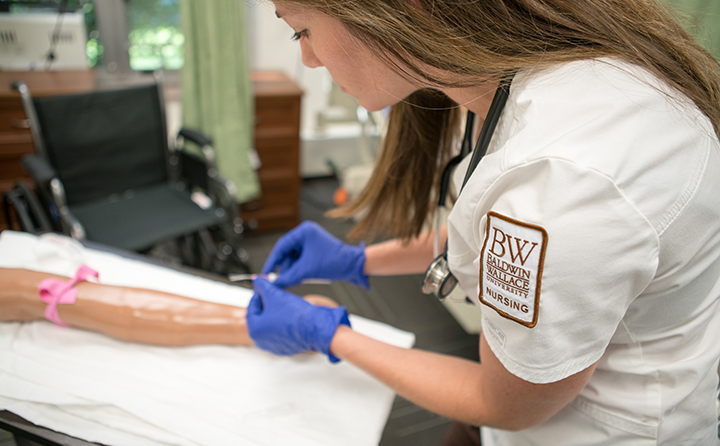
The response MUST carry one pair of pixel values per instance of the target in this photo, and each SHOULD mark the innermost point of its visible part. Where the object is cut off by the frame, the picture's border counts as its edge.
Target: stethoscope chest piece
(438, 279)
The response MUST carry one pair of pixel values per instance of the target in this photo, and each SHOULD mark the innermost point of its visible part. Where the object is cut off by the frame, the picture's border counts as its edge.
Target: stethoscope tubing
(438, 275)
(488, 129)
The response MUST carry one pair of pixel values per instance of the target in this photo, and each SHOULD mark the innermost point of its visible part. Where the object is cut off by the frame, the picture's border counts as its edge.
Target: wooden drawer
(10, 169)
(277, 142)
(278, 153)
(12, 119)
(278, 188)
(276, 113)
(279, 202)
(279, 185)
(15, 140)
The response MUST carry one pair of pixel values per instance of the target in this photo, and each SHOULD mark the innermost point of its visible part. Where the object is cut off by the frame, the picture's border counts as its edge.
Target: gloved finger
(282, 249)
(271, 263)
(274, 297)
(285, 281)
(262, 286)
(291, 271)
(291, 276)
(255, 306)
(271, 294)
(288, 262)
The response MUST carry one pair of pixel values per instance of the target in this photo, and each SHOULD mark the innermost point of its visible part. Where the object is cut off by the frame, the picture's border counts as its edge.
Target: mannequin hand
(310, 252)
(285, 324)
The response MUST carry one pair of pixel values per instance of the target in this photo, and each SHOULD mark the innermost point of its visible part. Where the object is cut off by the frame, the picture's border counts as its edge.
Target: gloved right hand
(285, 324)
(310, 252)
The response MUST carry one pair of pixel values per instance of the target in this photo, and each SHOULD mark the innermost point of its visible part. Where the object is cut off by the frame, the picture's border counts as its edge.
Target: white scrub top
(591, 232)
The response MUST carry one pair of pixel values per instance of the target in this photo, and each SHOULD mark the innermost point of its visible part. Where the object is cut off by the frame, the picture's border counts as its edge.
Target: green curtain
(702, 19)
(217, 94)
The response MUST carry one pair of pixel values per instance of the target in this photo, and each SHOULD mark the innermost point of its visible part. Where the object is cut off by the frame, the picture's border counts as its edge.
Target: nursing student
(588, 234)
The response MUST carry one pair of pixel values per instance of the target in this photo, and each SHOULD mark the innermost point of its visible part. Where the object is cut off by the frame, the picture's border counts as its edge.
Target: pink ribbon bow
(55, 292)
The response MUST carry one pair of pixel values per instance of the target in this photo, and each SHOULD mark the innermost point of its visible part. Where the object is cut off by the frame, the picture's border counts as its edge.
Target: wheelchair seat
(139, 218)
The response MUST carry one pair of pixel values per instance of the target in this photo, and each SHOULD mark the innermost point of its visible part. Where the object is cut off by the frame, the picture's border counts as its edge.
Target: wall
(272, 49)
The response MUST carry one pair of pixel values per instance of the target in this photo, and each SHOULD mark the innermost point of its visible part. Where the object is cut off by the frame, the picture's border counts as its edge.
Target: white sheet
(120, 393)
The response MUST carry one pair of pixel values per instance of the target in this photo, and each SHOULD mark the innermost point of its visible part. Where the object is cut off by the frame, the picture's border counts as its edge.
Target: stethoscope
(438, 279)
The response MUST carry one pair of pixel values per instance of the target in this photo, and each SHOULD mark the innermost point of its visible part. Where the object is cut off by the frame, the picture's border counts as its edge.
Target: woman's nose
(309, 58)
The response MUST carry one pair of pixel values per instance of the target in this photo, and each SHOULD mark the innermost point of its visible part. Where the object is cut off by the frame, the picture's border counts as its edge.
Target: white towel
(120, 393)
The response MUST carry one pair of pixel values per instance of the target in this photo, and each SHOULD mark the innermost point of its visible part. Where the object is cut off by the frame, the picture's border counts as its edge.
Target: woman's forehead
(283, 9)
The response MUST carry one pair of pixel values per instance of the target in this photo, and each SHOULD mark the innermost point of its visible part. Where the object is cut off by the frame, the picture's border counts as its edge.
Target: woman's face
(354, 68)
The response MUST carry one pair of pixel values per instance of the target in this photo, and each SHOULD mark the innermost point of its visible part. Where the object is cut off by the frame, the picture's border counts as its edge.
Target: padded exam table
(90, 388)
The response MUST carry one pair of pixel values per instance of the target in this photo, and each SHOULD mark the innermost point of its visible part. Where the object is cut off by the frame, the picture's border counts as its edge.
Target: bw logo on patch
(511, 266)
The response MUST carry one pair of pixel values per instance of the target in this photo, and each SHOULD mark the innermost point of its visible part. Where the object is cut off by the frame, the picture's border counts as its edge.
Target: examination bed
(98, 389)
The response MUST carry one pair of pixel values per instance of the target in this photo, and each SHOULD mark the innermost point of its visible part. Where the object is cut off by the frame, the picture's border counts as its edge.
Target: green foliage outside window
(94, 49)
(155, 37)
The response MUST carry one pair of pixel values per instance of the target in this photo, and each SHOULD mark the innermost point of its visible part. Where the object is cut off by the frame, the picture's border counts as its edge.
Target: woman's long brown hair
(426, 121)
(474, 41)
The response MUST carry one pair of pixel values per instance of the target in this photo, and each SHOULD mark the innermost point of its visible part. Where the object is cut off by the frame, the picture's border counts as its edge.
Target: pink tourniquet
(54, 292)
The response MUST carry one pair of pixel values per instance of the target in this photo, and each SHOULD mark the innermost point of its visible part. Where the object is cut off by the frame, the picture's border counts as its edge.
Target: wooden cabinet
(277, 142)
(15, 138)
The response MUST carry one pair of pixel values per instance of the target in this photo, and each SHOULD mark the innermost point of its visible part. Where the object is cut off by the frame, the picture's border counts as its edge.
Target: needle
(271, 277)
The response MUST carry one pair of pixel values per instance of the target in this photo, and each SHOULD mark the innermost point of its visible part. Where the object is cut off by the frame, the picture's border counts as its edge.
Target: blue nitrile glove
(310, 252)
(285, 324)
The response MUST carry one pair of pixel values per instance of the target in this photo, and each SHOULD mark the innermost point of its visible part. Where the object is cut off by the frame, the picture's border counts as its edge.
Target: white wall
(271, 49)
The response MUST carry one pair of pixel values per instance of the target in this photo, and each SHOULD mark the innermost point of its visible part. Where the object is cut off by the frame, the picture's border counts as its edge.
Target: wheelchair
(105, 171)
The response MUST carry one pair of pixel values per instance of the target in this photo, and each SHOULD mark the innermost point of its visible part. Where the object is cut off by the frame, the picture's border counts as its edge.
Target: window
(156, 40)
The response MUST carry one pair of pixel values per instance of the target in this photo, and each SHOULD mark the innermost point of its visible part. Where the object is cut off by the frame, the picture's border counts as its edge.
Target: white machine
(27, 40)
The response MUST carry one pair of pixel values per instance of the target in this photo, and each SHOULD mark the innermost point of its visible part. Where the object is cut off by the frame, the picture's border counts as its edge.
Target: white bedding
(120, 393)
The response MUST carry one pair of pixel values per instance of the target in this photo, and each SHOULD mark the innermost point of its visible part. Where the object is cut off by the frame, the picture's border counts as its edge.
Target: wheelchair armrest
(40, 171)
(45, 177)
(71, 225)
(29, 212)
(223, 191)
(195, 136)
(205, 144)
(194, 170)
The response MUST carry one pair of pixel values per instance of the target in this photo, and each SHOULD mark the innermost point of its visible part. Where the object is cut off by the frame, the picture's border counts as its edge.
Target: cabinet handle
(20, 123)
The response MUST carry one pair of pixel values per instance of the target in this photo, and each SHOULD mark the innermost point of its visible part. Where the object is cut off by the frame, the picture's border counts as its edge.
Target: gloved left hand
(310, 252)
(285, 324)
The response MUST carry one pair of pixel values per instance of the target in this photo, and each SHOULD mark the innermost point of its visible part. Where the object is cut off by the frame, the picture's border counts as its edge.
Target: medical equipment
(271, 277)
(438, 279)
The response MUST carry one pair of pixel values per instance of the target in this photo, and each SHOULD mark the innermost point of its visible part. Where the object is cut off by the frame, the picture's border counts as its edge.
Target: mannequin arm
(395, 257)
(130, 314)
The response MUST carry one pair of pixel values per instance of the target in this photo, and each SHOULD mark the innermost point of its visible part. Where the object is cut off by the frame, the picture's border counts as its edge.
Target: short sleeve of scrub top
(559, 267)
(546, 241)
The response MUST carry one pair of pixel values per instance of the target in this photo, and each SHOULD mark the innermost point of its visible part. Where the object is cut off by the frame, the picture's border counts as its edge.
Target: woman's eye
(300, 34)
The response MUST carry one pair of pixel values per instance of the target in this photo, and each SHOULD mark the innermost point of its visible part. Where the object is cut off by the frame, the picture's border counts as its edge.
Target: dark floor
(396, 300)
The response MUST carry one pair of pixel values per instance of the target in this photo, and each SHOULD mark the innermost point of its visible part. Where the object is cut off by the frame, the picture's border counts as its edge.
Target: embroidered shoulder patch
(511, 267)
